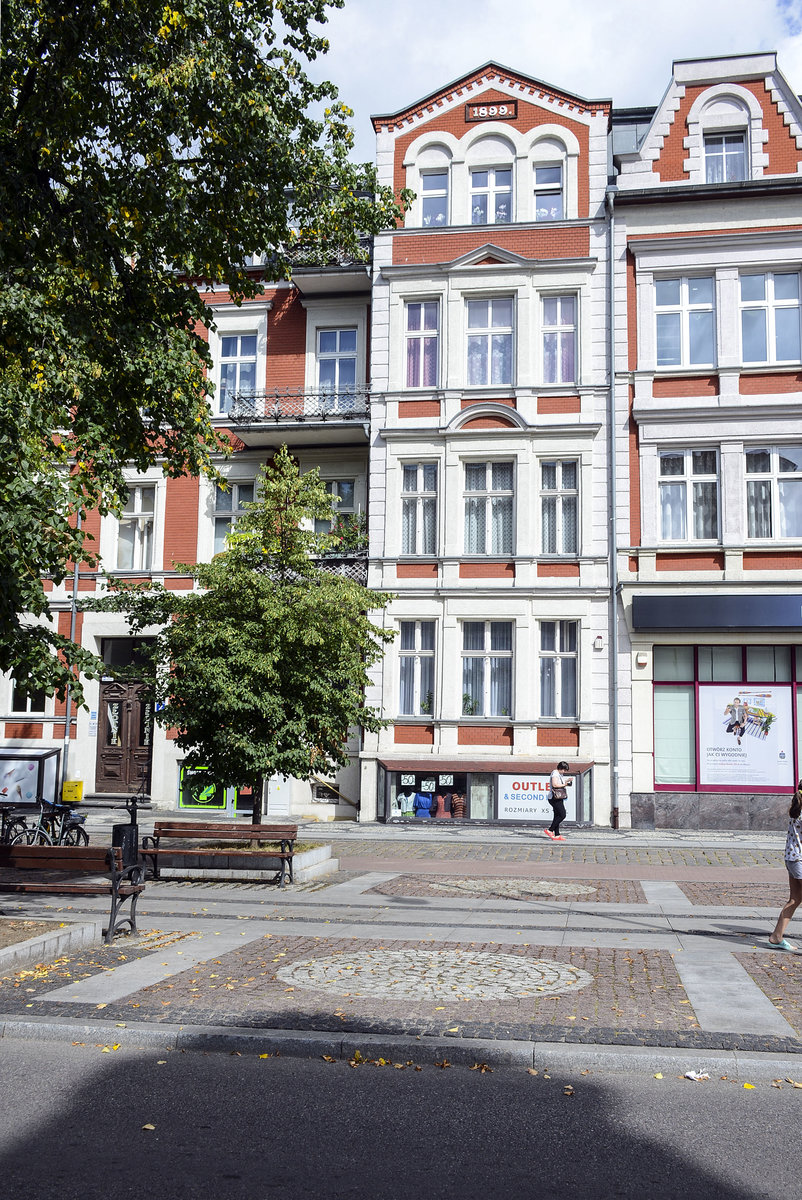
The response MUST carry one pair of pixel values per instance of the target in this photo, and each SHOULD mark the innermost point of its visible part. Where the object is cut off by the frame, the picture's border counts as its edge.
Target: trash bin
(126, 836)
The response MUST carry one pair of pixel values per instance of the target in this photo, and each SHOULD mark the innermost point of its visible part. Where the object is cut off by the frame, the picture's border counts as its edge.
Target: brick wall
(444, 245)
(487, 570)
(485, 735)
(181, 521)
(414, 735)
(558, 735)
(559, 404)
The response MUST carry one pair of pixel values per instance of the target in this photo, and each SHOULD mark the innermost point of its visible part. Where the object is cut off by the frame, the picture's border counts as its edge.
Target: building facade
(566, 395)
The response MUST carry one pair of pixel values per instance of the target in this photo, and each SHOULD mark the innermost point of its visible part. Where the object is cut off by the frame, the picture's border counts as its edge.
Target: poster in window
(745, 736)
(526, 798)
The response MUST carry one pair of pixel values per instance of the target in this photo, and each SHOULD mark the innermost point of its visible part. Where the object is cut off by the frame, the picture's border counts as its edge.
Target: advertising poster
(526, 798)
(745, 736)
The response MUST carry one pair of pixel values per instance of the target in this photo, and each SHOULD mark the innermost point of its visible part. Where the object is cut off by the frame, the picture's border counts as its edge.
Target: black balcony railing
(345, 404)
(352, 566)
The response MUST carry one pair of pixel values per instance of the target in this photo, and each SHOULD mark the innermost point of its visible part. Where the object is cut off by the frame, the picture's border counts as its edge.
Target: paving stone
(604, 891)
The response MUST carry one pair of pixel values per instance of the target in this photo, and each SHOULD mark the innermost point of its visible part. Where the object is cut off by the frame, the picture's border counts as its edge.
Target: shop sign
(526, 798)
(745, 736)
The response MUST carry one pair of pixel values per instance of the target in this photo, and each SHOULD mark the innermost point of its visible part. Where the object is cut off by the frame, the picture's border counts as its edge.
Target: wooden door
(125, 738)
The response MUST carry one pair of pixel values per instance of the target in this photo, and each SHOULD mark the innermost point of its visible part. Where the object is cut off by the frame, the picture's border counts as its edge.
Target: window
(558, 507)
(725, 157)
(558, 656)
(27, 700)
(490, 332)
(685, 324)
(228, 507)
(342, 495)
(135, 533)
(488, 508)
(434, 210)
(336, 361)
(423, 322)
(549, 198)
(487, 668)
(688, 486)
(774, 493)
(419, 509)
(491, 196)
(559, 339)
(417, 669)
(770, 328)
(237, 367)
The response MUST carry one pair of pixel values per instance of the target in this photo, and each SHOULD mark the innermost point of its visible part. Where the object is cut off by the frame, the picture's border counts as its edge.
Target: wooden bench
(167, 833)
(102, 868)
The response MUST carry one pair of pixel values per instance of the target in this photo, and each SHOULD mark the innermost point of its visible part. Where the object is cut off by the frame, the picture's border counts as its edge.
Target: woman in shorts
(793, 864)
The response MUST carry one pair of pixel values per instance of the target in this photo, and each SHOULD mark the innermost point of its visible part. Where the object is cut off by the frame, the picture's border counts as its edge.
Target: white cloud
(385, 54)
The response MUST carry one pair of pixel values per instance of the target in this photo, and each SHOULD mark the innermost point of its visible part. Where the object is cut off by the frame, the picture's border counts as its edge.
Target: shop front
(478, 791)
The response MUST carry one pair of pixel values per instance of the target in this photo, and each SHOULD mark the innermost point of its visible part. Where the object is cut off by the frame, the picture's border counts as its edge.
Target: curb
(424, 1050)
(67, 938)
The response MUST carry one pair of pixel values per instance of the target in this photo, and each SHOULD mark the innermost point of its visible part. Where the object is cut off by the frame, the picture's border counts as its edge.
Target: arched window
(490, 180)
(726, 138)
(549, 164)
(434, 166)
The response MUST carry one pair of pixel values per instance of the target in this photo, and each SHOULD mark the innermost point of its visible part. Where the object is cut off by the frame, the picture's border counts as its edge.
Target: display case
(28, 774)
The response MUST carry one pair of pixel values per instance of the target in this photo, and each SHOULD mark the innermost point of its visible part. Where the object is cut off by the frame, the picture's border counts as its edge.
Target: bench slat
(81, 859)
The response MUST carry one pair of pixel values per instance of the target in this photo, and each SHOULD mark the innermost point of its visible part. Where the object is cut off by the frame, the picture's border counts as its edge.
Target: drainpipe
(68, 706)
(609, 198)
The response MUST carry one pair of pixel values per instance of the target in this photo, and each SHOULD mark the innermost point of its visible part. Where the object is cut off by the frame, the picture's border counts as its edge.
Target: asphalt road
(228, 1127)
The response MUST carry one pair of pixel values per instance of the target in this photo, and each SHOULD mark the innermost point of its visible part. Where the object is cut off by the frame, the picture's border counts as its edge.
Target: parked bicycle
(57, 825)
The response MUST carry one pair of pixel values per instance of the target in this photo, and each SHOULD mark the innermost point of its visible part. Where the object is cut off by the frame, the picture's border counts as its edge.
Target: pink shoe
(549, 834)
(558, 838)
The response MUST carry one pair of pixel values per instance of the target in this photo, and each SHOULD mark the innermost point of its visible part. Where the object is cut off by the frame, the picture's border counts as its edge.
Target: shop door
(125, 739)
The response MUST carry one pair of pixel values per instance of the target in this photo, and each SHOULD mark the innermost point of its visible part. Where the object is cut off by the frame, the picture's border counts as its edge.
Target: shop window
(237, 368)
(558, 668)
(135, 530)
(489, 508)
(559, 511)
(688, 487)
(770, 318)
(774, 492)
(674, 736)
(491, 196)
(549, 193)
(434, 205)
(416, 696)
(490, 341)
(27, 700)
(768, 664)
(229, 506)
(342, 493)
(559, 339)
(482, 795)
(428, 795)
(725, 157)
(487, 668)
(673, 663)
(720, 663)
(685, 321)
(419, 509)
(422, 337)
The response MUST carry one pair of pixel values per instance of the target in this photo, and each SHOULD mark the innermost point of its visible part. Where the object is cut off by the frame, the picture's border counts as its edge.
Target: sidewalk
(451, 946)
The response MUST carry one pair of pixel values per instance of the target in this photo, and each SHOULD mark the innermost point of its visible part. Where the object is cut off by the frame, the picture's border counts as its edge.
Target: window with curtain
(343, 502)
(549, 194)
(725, 157)
(688, 487)
(487, 653)
(416, 693)
(774, 492)
(490, 341)
(558, 668)
(419, 508)
(422, 336)
(135, 530)
(229, 505)
(559, 506)
(434, 202)
(491, 196)
(686, 335)
(770, 317)
(489, 508)
(559, 339)
(237, 368)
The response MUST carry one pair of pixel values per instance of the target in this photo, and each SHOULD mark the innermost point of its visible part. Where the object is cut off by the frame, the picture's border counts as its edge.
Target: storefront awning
(495, 766)
(735, 612)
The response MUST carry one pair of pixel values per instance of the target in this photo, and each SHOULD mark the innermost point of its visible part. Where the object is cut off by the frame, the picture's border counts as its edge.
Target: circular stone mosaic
(514, 889)
(434, 975)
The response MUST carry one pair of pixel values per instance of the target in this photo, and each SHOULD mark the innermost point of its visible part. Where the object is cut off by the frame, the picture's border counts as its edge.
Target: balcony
(272, 417)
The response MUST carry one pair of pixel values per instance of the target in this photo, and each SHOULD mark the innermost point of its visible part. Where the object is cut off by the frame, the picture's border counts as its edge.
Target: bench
(102, 869)
(167, 833)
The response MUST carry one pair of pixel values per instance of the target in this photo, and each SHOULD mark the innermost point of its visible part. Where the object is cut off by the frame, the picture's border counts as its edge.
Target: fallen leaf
(658, 1075)
(148, 1126)
(445, 1063)
(750, 1086)
(532, 1071)
(568, 1090)
(161, 1062)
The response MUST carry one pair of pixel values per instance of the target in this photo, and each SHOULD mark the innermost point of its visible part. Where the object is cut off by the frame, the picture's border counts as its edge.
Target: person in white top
(793, 865)
(557, 798)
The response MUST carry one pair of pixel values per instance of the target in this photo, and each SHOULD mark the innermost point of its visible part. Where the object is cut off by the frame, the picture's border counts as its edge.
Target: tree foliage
(263, 668)
(146, 147)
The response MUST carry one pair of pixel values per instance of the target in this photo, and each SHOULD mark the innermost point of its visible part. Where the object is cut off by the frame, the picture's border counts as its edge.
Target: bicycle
(57, 825)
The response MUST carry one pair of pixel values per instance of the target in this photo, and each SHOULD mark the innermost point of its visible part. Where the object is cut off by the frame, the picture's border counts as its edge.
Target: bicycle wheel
(75, 836)
(38, 837)
(17, 833)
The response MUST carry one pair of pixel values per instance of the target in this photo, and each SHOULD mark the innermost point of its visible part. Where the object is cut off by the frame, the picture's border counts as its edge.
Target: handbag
(559, 793)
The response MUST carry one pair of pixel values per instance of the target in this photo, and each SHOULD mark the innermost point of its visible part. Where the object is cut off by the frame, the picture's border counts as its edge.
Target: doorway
(125, 738)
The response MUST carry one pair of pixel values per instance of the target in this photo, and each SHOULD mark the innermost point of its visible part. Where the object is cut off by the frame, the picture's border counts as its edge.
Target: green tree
(146, 147)
(263, 668)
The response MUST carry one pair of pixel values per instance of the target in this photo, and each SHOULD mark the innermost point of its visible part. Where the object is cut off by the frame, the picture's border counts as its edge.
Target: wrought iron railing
(345, 404)
(352, 566)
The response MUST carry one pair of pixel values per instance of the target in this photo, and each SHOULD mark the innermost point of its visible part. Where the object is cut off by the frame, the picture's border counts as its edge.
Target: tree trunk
(257, 792)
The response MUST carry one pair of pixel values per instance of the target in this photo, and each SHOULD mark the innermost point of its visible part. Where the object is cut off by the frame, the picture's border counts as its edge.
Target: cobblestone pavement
(600, 891)
(746, 895)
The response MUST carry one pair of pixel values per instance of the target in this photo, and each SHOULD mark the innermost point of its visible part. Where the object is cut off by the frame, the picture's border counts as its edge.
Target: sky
(386, 54)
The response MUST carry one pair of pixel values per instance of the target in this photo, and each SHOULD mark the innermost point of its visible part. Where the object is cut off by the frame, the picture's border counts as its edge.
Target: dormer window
(491, 196)
(434, 185)
(549, 200)
(725, 157)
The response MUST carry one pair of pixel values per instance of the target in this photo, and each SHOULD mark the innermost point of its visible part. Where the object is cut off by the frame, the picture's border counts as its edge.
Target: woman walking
(793, 864)
(557, 797)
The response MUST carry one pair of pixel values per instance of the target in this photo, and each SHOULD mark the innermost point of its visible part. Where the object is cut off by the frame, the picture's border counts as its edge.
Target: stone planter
(254, 866)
